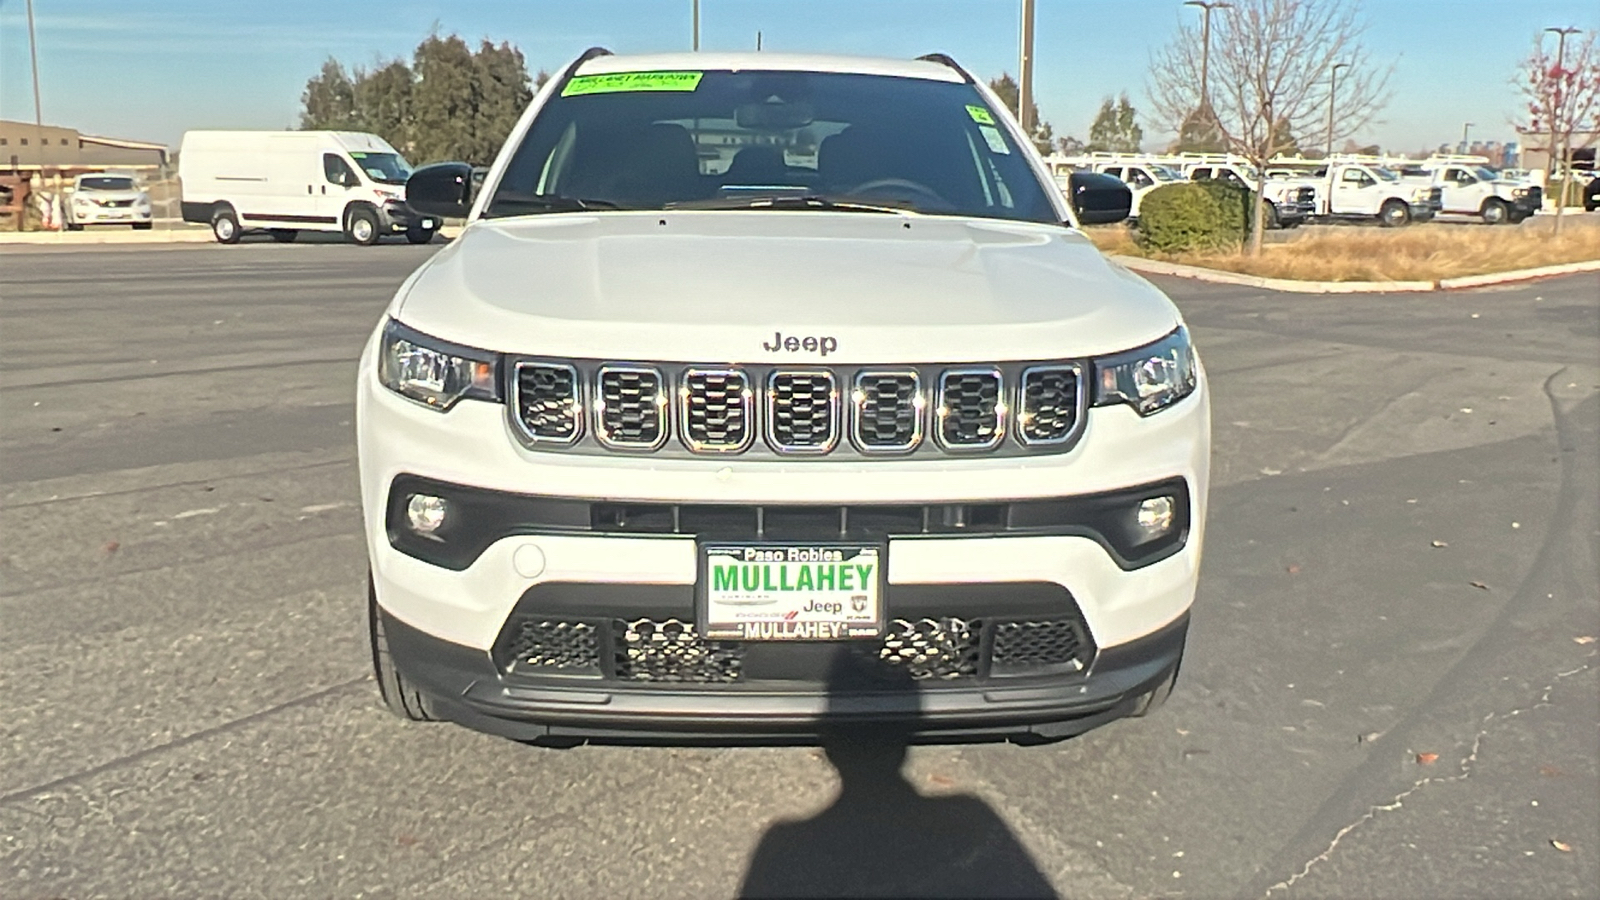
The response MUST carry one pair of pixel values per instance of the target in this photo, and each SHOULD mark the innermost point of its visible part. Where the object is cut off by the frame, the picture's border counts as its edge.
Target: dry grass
(1417, 253)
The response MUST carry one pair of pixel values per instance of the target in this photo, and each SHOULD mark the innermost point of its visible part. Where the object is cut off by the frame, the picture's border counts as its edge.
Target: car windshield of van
(1384, 174)
(1166, 173)
(768, 140)
(105, 183)
(384, 168)
(1485, 173)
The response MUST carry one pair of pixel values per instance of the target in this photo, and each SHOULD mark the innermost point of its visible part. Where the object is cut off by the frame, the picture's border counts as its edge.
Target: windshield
(1166, 173)
(1486, 174)
(771, 140)
(1384, 174)
(385, 168)
(105, 183)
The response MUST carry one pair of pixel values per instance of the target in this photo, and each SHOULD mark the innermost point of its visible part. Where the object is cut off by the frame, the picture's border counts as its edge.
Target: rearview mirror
(442, 189)
(1098, 199)
(774, 115)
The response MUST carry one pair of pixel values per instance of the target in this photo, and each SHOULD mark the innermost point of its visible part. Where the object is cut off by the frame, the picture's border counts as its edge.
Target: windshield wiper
(797, 201)
(517, 204)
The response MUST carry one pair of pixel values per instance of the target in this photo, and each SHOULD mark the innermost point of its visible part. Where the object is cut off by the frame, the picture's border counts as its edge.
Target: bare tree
(1563, 95)
(1270, 76)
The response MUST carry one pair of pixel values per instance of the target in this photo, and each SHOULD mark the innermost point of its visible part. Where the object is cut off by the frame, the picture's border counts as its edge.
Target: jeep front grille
(631, 410)
(683, 410)
(802, 412)
(717, 409)
(887, 411)
(1051, 404)
(547, 403)
(971, 414)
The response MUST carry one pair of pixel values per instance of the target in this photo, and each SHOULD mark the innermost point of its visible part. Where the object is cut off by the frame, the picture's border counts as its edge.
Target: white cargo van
(286, 182)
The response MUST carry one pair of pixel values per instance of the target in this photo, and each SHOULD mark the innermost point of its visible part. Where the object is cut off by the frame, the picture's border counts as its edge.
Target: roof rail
(944, 59)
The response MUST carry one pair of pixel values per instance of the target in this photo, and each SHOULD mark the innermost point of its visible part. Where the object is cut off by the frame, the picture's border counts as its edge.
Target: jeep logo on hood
(823, 344)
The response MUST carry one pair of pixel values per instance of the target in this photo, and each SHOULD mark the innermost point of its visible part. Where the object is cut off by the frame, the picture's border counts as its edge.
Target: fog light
(425, 513)
(1155, 517)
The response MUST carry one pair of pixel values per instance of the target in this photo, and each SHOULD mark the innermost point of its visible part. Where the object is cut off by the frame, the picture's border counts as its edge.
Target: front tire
(225, 226)
(142, 226)
(399, 697)
(1274, 222)
(361, 227)
(1394, 214)
(74, 226)
(419, 235)
(1495, 211)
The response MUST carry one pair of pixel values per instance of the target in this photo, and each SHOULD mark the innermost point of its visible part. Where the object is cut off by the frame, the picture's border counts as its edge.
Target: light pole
(696, 25)
(1333, 87)
(1464, 128)
(1555, 115)
(1025, 72)
(1206, 6)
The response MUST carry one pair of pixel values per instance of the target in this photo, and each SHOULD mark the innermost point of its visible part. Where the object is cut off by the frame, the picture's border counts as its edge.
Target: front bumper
(99, 215)
(395, 216)
(809, 689)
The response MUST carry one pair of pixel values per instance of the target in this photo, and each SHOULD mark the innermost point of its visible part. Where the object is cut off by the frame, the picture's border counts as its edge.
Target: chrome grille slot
(631, 409)
(1050, 408)
(717, 406)
(887, 411)
(547, 404)
(971, 413)
(802, 412)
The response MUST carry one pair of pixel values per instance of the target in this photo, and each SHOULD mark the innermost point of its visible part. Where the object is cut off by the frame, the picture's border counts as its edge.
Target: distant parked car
(1591, 194)
(107, 200)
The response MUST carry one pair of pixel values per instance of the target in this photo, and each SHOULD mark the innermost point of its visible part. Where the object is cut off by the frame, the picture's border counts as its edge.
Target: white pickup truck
(1289, 203)
(1363, 191)
(1475, 190)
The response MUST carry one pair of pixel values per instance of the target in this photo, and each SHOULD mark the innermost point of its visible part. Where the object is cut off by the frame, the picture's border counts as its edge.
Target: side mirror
(1098, 199)
(442, 189)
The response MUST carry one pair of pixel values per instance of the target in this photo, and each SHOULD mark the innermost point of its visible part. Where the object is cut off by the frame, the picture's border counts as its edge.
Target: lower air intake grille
(971, 414)
(543, 646)
(933, 648)
(633, 411)
(1029, 646)
(717, 409)
(802, 412)
(1049, 405)
(888, 411)
(671, 650)
(547, 402)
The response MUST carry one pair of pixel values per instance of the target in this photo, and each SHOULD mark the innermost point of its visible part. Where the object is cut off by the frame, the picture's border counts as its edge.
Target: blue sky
(151, 69)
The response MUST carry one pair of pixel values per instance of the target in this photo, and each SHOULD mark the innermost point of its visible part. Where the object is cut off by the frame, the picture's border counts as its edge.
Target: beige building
(1536, 150)
(27, 147)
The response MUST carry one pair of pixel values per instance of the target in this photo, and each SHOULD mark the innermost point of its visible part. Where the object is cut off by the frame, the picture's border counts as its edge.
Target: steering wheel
(902, 185)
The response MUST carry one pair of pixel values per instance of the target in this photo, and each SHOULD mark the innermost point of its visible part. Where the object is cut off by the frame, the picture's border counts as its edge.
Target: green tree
(1199, 132)
(328, 103)
(1010, 94)
(1116, 127)
(450, 103)
(383, 103)
(1283, 139)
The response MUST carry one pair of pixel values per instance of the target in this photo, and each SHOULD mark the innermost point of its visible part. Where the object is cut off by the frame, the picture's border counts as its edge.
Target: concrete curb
(1217, 276)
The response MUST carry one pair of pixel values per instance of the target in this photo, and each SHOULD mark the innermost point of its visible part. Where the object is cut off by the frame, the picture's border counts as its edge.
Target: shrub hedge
(1198, 215)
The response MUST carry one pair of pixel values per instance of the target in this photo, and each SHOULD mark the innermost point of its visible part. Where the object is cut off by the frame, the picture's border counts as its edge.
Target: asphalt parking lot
(1391, 686)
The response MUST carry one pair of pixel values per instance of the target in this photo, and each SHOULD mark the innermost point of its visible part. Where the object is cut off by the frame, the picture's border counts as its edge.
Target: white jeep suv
(763, 393)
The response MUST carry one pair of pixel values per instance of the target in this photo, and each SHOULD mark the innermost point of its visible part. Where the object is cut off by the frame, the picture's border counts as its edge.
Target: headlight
(1149, 379)
(386, 195)
(141, 201)
(80, 201)
(434, 372)
(1519, 193)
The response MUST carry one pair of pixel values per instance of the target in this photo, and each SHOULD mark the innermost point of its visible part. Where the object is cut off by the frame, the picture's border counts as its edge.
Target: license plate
(791, 592)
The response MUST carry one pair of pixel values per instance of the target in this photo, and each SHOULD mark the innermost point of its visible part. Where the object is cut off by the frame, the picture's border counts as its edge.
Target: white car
(856, 427)
(107, 200)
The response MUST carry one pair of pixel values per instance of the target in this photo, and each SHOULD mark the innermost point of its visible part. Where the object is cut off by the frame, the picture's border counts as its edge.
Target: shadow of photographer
(881, 837)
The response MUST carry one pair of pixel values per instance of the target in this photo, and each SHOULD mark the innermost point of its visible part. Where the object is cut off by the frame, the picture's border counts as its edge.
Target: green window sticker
(997, 143)
(980, 115)
(624, 82)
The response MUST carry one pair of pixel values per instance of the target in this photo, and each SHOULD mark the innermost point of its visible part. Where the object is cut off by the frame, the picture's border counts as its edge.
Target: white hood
(716, 286)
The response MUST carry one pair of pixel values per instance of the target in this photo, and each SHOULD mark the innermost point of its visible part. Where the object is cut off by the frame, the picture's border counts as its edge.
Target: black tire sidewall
(221, 213)
(1393, 214)
(1495, 211)
(357, 214)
